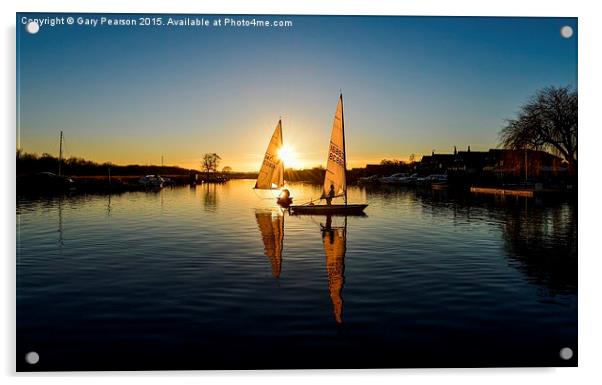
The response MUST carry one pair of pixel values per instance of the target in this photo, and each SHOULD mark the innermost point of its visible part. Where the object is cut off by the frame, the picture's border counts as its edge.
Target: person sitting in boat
(285, 195)
(330, 195)
(285, 198)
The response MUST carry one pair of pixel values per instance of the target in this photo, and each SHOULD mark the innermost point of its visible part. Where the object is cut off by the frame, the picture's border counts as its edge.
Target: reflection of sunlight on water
(433, 264)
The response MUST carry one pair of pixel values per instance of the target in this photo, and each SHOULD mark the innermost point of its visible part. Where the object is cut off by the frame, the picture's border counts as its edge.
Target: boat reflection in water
(334, 240)
(271, 227)
(335, 244)
(481, 281)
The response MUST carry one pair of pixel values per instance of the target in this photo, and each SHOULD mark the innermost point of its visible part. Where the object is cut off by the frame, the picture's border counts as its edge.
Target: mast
(60, 152)
(344, 147)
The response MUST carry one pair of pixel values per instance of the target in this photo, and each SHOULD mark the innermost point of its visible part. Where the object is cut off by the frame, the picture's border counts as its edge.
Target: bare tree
(548, 121)
(391, 162)
(227, 170)
(210, 162)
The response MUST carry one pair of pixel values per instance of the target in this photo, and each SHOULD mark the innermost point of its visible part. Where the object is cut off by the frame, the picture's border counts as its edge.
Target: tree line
(29, 163)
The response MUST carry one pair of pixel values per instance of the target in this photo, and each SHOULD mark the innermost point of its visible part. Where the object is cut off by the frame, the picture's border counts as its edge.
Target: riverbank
(44, 183)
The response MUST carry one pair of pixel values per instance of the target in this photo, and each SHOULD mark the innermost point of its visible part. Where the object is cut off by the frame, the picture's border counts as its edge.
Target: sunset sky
(410, 84)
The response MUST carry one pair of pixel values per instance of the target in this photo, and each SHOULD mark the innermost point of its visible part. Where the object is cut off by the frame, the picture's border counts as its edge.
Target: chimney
(455, 151)
(469, 148)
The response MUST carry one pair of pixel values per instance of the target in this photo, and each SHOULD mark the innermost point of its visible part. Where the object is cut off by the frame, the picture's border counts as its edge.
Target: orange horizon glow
(306, 147)
(292, 158)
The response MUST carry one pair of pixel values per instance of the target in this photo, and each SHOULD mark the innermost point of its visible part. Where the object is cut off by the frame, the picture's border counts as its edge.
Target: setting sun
(288, 155)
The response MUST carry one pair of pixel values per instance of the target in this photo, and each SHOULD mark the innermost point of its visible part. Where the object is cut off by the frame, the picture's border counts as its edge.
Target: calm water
(217, 277)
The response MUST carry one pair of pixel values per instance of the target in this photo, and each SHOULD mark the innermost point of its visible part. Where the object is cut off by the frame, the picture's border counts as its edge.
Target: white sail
(335, 167)
(271, 174)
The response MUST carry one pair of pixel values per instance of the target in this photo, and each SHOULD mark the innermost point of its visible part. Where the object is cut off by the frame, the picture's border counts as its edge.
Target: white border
(590, 64)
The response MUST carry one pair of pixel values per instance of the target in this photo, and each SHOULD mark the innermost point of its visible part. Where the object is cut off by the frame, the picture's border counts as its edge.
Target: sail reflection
(334, 240)
(272, 233)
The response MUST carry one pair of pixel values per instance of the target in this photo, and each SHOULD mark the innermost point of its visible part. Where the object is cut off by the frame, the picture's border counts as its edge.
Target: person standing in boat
(330, 195)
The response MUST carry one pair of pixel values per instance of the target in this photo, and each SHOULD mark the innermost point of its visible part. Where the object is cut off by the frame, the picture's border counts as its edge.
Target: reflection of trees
(542, 243)
(210, 196)
(540, 238)
(389, 194)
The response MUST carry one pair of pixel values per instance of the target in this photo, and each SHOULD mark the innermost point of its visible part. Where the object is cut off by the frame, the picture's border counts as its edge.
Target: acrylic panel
(292, 192)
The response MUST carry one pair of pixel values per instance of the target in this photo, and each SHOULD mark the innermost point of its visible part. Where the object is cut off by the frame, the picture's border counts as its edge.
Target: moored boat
(369, 179)
(152, 181)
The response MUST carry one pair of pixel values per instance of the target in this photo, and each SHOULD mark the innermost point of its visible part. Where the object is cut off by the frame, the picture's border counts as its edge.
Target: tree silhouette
(391, 162)
(548, 121)
(210, 162)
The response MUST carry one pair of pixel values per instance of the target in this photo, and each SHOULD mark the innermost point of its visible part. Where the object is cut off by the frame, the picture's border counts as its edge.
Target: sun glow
(288, 155)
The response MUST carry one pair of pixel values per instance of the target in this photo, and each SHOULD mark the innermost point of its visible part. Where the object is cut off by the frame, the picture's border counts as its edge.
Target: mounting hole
(32, 358)
(566, 31)
(566, 353)
(32, 27)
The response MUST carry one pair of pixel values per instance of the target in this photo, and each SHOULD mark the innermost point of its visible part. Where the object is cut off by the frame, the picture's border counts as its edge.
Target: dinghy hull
(355, 209)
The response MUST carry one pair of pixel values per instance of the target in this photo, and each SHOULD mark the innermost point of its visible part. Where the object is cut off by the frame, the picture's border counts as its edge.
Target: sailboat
(335, 179)
(271, 173)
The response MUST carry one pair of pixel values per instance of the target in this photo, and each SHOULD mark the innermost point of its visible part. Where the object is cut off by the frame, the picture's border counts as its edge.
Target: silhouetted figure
(330, 195)
(284, 199)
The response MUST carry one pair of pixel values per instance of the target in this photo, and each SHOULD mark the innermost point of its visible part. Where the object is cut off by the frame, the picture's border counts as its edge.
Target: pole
(60, 152)
(344, 147)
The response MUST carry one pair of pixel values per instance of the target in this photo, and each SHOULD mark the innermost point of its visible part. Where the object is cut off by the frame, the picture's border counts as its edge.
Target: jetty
(503, 191)
(520, 191)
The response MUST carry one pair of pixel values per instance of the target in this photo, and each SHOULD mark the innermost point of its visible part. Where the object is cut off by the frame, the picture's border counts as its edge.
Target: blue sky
(411, 85)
